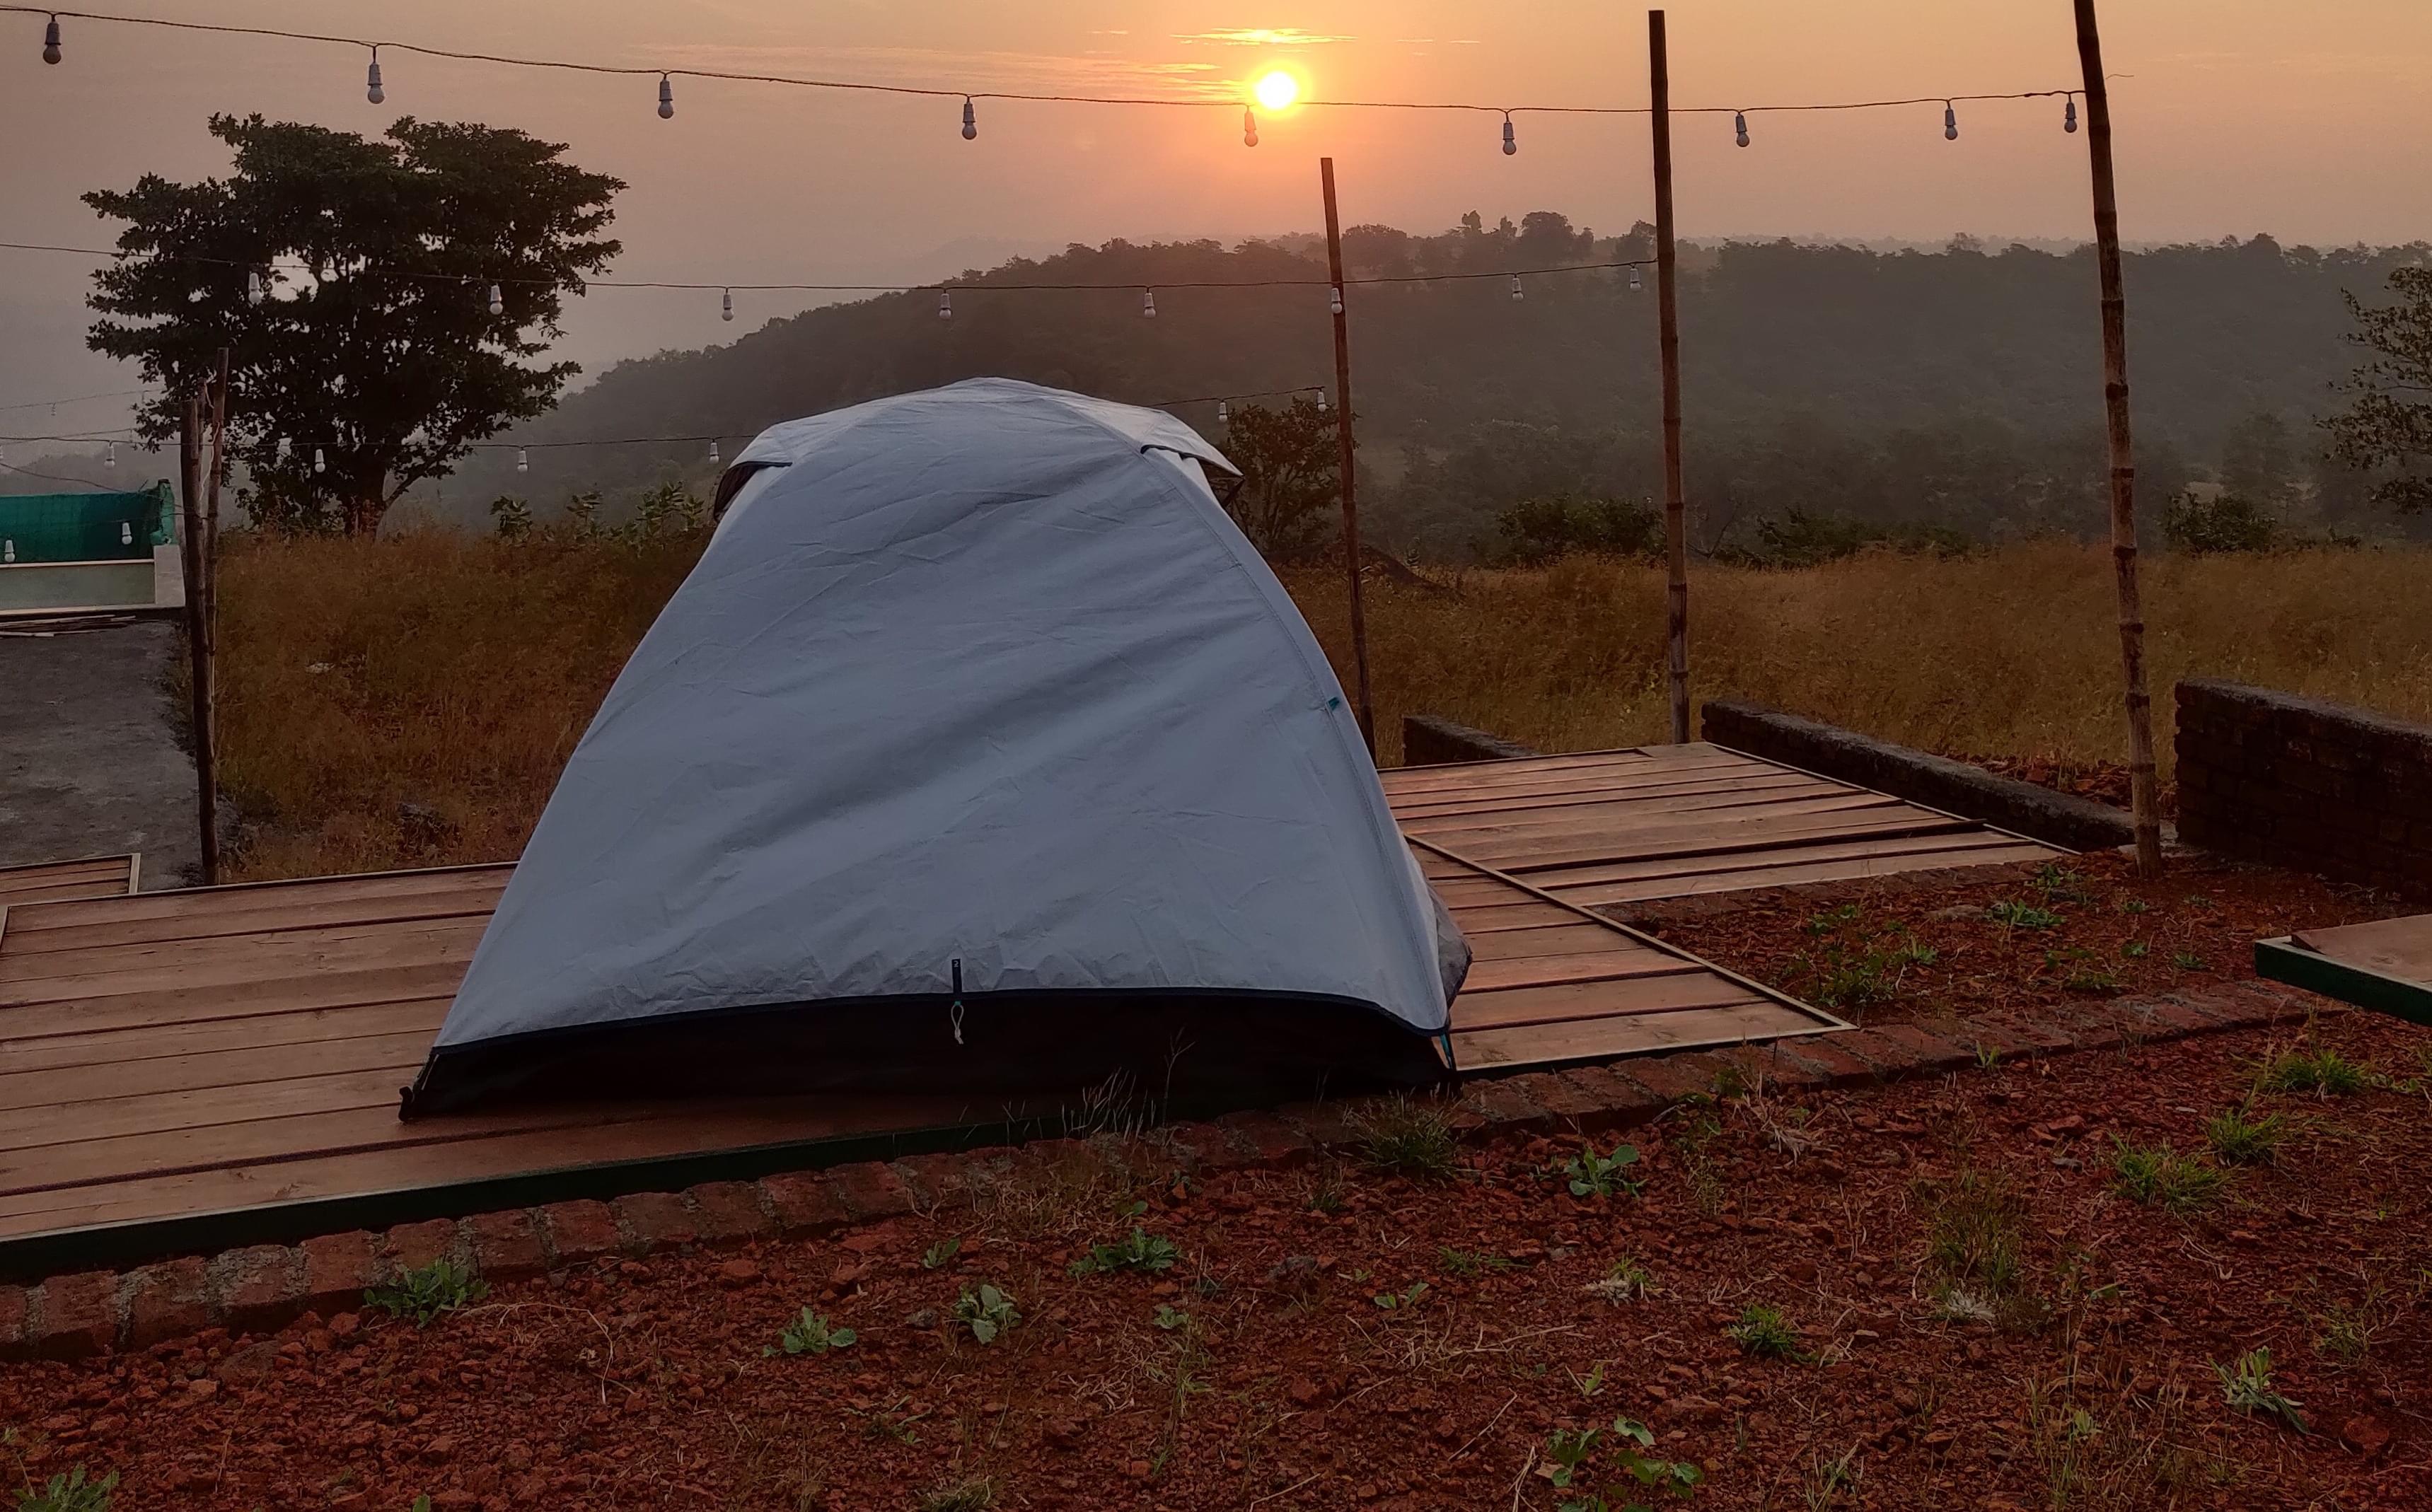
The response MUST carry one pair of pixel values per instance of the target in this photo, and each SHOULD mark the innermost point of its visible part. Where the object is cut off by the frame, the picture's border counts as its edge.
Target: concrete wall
(80, 584)
(2298, 782)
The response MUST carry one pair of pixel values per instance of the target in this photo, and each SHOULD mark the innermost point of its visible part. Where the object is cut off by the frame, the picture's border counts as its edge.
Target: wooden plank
(172, 1120)
(1608, 1038)
(1690, 984)
(1520, 858)
(2394, 947)
(38, 931)
(53, 881)
(1622, 958)
(1485, 778)
(1561, 936)
(1410, 809)
(1618, 822)
(260, 960)
(260, 1032)
(1528, 914)
(1561, 878)
(61, 1092)
(329, 989)
(218, 901)
(1791, 873)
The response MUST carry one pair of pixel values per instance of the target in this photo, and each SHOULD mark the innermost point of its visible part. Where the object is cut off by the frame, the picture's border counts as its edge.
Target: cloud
(1257, 36)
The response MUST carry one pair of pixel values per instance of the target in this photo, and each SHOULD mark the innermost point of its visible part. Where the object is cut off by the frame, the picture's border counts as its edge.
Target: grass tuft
(1407, 1138)
(2158, 1176)
(2322, 1071)
(2239, 1140)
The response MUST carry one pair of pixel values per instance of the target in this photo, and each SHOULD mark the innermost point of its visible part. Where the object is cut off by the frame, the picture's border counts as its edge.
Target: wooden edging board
(2284, 960)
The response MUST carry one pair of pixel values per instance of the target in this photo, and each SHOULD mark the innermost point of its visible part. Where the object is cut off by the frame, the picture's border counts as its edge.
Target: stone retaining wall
(1428, 741)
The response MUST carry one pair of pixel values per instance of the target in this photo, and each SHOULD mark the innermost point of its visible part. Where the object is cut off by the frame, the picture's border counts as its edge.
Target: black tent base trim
(1120, 1052)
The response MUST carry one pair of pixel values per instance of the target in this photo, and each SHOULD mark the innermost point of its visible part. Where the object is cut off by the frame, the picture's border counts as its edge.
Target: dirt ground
(1976, 1308)
(2009, 938)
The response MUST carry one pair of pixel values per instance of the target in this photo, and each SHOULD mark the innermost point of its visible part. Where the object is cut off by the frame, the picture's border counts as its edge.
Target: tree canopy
(2388, 428)
(352, 281)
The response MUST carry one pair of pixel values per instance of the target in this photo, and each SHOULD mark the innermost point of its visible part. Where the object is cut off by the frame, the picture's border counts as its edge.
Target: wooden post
(198, 632)
(1360, 705)
(1676, 516)
(2142, 796)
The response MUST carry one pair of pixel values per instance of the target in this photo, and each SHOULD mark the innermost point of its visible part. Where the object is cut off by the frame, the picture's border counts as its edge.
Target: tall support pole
(2142, 796)
(1344, 440)
(1668, 272)
(198, 633)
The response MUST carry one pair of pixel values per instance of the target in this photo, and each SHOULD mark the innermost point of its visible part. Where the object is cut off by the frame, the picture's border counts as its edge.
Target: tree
(1292, 474)
(2388, 428)
(373, 357)
(2229, 522)
(2258, 462)
(1539, 529)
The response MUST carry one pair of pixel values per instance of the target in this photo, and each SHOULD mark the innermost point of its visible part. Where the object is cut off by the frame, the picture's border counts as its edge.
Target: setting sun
(1277, 90)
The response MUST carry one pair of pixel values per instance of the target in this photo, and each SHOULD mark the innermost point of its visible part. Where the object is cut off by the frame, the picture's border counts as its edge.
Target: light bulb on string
(1515, 289)
(51, 41)
(320, 465)
(971, 121)
(372, 90)
(497, 301)
(1949, 121)
(1321, 401)
(254, 293)
(125, 533)
(2069, 115)
(714, 459)
(1334, 300)
(8, 550)
(726, 305)
(1249, 127)
(109, 455)
(945, 304)
(523, 460)
(1148, 303)
(1224, 413)
(1636, 283)
(1739, 126)
(1511, 142)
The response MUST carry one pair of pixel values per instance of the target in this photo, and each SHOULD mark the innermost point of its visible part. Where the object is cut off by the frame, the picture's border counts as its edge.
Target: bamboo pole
(2142, 796)
(1676, 517)
(199, 642)
(1360, 705)
(206, 557)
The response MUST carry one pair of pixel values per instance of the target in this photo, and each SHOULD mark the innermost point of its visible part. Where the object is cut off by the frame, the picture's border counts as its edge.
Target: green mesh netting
(86, 526)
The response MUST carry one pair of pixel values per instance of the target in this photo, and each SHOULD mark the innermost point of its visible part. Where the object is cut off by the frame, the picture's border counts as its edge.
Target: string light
(523, 460)
(1148, 303)
(254, 293)
(109, 455)
(1511, 142)
(372, 90)
(1636, 285)
(714, 458)
(2069, 116)
(1949, 121)
(971, 121)
(8, 550)
(1249, 127)
(1334, 300)
(498, 302)
(726, 305)
(1321, 401)
(51, 41)
(666, 98)
(1224, 413)
(1739, 126)
(945, 304)
(125, 533)
(1515, 287)
(320, 465)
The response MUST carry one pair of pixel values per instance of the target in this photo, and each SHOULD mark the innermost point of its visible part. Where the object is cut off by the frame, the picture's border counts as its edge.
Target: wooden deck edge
(2284, 960)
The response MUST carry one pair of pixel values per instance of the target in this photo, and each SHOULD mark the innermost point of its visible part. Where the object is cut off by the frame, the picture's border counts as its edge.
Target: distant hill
(1958, 387)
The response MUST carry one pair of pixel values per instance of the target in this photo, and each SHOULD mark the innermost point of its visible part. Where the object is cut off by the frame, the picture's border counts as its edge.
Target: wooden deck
(186, 1070)
(2385, 965)
(50, 881)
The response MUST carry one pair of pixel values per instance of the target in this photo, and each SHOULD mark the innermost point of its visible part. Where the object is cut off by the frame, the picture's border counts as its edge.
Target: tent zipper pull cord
(956, 1013)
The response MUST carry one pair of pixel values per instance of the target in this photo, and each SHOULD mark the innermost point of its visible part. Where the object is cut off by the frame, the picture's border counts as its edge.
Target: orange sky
(2311, 122)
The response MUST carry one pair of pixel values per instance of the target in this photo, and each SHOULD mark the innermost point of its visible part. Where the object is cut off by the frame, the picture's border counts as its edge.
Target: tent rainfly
(980, 751)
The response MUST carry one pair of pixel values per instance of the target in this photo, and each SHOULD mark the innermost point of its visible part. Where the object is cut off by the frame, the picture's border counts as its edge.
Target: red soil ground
(2092, 1383)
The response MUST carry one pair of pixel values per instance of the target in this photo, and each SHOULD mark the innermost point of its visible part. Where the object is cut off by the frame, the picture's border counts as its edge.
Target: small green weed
(2350, 1331)
(2158, 1176)
(1626, 1280)
(70, 1492)
(1618, 1478)
(2135, 950)
(1408, 1139)
(1975, 1231)
(1138, 1251)
(1987, 1055)
(811, 1334)
(1764, 1331)
(2247, 1386)
(1594, 1175)
(2059, 885)
(2239, 1140)
(2133, 905)
(1828, 1478)
(988, 1313)
(1403, 1300)
(427, 1293)
(1859, 966)
(2187, 961)
(1469, 1264)
(1592, 1384)
(1169, 1318)
(974, 1495)
(2010, 913)
(2323, 1072)
(939, 1252)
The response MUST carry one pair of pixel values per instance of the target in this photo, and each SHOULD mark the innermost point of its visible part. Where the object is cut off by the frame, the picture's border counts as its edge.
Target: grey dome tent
(979, 750)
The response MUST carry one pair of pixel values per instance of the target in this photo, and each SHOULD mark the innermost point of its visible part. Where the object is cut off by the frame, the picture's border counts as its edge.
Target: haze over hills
(1956, 387)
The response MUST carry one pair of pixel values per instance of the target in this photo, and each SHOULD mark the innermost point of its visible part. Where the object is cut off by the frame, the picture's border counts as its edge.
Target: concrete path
(89, 757)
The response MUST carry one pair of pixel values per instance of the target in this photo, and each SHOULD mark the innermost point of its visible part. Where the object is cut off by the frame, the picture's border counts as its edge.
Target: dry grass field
(453, 673)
